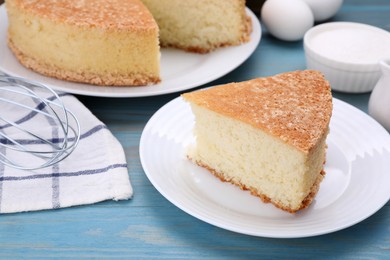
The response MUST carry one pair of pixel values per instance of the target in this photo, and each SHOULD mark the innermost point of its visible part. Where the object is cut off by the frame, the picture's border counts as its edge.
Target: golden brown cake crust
(305, 203)
(107, 14)
(295, 106)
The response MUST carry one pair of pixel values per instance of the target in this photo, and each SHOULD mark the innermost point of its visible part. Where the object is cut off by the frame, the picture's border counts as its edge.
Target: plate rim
(237, 229)
(126, 91)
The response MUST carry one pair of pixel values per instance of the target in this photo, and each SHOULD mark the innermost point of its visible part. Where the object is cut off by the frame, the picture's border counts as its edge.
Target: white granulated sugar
(352, 45)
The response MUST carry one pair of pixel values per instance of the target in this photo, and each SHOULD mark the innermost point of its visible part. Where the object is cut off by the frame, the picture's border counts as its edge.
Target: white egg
(287, 19)
(324, 9)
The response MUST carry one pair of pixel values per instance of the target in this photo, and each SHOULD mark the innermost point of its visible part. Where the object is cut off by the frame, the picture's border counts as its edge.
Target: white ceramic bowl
(347, 54)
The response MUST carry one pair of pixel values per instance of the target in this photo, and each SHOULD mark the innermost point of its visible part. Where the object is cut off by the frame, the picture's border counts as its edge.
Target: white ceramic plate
(179, 70)
(355, 187)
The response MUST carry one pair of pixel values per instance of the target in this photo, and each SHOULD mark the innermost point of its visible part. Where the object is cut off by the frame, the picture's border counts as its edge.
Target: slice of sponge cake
(266, 135)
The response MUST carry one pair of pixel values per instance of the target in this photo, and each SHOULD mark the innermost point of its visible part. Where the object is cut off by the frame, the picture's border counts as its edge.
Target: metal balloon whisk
(36, 129)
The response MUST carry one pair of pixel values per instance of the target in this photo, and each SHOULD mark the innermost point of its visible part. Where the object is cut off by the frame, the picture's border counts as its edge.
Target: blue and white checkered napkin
(94, 172)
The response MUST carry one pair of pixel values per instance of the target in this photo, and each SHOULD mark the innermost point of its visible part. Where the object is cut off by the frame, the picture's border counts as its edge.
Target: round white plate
(356, 184)
(179, 70)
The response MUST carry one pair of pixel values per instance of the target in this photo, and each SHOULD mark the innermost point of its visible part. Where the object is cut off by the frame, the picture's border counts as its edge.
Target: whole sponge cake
(201, 25)
(266, 135)
(116, 42)
(111, 42)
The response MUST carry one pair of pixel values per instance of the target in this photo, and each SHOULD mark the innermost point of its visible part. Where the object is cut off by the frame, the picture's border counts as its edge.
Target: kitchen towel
(95, 171)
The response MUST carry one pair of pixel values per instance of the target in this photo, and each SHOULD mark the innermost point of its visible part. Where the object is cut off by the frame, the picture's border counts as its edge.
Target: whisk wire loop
(37, 105)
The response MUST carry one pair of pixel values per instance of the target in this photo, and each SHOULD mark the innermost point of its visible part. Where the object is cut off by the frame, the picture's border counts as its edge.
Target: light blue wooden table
(148, 226)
